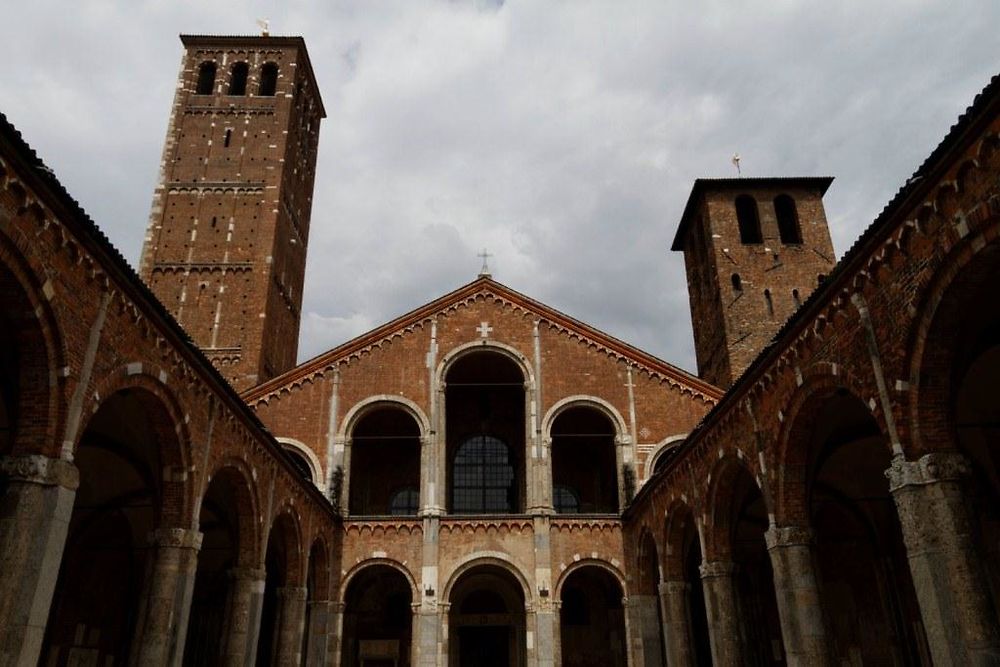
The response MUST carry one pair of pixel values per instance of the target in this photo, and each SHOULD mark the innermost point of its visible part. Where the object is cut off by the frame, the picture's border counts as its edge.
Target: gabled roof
(702, 185)
(486, 286)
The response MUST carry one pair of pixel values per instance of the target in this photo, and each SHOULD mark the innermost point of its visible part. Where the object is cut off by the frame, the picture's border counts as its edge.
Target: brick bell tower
(754, 249)
(226, 247)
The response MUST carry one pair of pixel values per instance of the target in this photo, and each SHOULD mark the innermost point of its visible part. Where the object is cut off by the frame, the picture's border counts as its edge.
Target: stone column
(246, 599)
(35, 512)
(948, 573)
(720, 606)
(319, 631)
(799, 606)
(291, 624)
(427, 634)
(166, 604)
(676, 624)
(645, 630)
(336, 632)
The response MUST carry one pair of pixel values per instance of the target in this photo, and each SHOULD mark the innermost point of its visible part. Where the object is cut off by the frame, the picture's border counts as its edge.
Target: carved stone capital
(36, 469)
(716, 569)
(787, 536)
(928, 469)
(177, 538)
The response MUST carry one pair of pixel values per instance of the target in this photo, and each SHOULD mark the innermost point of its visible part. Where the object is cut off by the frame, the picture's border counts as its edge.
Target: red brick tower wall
(229, 226)
(743, 292)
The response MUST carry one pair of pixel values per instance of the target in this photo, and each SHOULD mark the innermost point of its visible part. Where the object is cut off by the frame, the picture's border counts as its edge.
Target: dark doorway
(484, 646)
(377, 618)
(592, 620)
(487, 620)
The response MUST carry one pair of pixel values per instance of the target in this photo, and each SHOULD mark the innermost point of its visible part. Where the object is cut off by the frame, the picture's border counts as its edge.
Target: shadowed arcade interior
(584, 469)
(385, 464)
(592, 619)
(377, 619)
(486, 621)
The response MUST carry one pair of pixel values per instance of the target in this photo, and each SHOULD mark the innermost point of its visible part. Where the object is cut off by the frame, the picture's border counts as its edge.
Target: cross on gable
(484, 329)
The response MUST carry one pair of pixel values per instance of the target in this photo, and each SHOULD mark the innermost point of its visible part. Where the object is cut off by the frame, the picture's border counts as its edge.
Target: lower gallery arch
(864, 577)
(685, 603)
(226, 520)
(378, 617)
(317, 618)
(94, 610)
(280, 618)
(740, 560)
(647, 616)
(486, 619)
(591, 618)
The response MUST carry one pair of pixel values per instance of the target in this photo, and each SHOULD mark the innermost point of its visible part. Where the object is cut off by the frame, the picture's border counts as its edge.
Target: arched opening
(315, 635)
(584, 469)
(748, 220)
(301, 463)
(118, 504)
(485, 434)
(741, 518)
(206, 78)
(486, 621)
(238, 78)
(737, 283)
(863, 571)
(649, 624)
(385, 463)
(788, 220)
(377, 618)
(268, 80)
(683, 564)
(769, 302)
(592, 619)
(280, 567)
(226, 523)
(959, 397)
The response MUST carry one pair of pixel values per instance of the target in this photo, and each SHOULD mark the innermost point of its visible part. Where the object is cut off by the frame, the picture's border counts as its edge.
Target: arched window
(405, 502)
(788, 220)
(737, 283)
(770, 302)
(796, 298)
(483, 477)
(238, 79)
(268, 80)
(748, 220)
(206, 78)
(820, 278)
(565, 500)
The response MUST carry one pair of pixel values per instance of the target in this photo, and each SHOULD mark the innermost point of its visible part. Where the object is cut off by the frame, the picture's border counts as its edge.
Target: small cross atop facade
(485, 271)
(484, 329)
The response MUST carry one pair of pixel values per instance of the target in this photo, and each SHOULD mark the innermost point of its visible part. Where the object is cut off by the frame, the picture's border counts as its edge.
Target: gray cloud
(563, 136)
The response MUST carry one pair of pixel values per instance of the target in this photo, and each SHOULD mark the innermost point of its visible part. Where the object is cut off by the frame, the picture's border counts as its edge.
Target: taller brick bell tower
(755, 249)
(229, 226)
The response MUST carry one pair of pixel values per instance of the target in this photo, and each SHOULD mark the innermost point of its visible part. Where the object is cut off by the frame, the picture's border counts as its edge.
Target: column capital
(717, 569)
(787, 536)
(928, 469)
(248, 573)
(178, 538)
(37, 469)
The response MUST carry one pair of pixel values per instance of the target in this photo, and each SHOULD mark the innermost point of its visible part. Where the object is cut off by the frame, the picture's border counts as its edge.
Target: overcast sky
(562, 136)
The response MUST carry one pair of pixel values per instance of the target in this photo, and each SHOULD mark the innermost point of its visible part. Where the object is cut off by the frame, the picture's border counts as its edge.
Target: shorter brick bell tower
(754, 249)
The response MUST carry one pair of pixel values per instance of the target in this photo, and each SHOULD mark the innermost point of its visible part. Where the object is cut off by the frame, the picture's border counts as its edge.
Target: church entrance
(377, 619)
(487, 620)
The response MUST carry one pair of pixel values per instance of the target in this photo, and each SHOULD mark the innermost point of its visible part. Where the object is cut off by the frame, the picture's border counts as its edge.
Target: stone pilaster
(166, 603)
(546, 636)
(319, 631)
(799, 608)
(291, 624)
(35, 512)
(676, 624)
(948, 573)
(246, 599)
(720, 606)
(336, 632)
(647, 646)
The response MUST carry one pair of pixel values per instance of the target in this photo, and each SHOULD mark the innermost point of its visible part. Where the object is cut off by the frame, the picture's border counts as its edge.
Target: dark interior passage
(591, 619)
(377, 619)
(385, 464)
(584, 467)
(486, 620)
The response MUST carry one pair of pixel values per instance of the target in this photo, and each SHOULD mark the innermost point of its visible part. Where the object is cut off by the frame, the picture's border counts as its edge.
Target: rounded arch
(618, 575)
(668, 443)
(495, 558)
(821, 382)
(678, 519)
(933, 347)
(457, 353)
(368, 563)
(240, 476)
(586, 401)
(364, 406)
(306, 452)
(41, 356)
(319, 568)
(730, 479)
(649, 566)
(286, 519)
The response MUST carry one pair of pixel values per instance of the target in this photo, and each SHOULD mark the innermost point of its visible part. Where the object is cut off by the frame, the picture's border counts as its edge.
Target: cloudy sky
(563, 136)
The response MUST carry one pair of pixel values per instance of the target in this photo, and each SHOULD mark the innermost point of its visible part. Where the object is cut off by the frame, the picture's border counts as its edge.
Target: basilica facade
(486, 480)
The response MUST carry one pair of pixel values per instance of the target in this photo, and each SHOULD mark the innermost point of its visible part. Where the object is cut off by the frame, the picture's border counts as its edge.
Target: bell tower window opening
(268, 80)
(206, 78)
(770, 302)
(788, 220)
(748, 220)
(238, 79)
(483, 477)
(737, 283)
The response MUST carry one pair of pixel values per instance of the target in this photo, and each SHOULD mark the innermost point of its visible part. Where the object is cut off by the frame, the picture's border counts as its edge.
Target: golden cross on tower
(485, 271)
